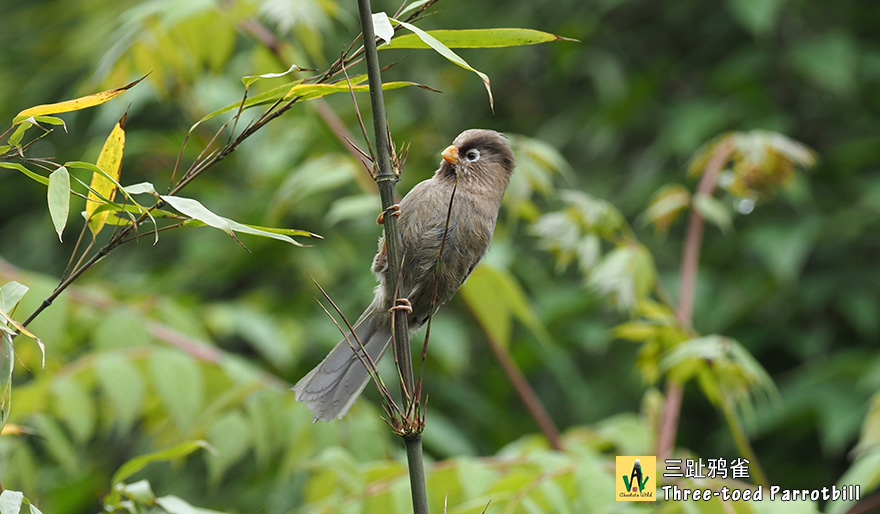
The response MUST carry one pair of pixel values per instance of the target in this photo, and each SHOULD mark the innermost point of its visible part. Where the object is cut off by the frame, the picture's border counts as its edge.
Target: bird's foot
(394, 210)
(401, 304)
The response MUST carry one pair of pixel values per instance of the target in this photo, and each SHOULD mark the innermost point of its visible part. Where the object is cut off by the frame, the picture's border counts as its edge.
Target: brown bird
(482, 162)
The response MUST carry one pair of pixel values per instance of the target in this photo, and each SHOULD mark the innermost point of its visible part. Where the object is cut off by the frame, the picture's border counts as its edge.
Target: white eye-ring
(472, 155)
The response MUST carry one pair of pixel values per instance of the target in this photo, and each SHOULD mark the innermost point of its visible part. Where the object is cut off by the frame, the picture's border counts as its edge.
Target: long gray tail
(331, 388)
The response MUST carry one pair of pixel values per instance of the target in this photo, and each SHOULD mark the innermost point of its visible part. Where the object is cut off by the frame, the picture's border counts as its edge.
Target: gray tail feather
(332, 387)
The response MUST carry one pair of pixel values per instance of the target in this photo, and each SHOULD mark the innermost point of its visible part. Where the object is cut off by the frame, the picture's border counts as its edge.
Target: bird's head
(478, 156)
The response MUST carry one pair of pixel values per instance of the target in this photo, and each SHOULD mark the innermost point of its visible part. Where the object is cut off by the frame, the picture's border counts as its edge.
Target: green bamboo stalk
(385, 179)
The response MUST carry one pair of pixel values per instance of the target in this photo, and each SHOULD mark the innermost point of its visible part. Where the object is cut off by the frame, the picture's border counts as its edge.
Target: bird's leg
(401, 304)
(394, 210)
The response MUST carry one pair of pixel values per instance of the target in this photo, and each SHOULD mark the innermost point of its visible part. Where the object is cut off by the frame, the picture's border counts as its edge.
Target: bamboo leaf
(305, 92)
(16, 137)
(200, 213)
(18, 326)
(312, 91)
(51, 120)
(7, 362)
(443, 50)
(140, 462)
(76, 104)
(109, 161)
(10, 294)
(140, 188)
(126, 214)
(59, 198)
(477, 38)
(30, 174)
(95, 169)
(195, 210)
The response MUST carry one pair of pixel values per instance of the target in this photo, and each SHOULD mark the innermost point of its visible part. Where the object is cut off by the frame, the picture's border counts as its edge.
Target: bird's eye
(472, 155)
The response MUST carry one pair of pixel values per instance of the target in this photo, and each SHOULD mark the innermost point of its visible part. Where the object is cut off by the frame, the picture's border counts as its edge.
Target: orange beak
(450, 155)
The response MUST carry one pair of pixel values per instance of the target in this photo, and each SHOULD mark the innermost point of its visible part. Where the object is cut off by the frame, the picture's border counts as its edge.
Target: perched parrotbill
(482, 161)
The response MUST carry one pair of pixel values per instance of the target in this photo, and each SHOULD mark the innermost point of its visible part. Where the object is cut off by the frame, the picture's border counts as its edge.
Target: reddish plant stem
(684, 312)
(526, 393)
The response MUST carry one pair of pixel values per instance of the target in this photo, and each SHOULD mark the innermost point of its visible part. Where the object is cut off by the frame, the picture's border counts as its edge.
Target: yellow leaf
(76, 104)
(110, 162)
(14, 430)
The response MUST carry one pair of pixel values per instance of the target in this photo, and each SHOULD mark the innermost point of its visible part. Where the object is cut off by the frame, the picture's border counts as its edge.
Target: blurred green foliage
(198, 339)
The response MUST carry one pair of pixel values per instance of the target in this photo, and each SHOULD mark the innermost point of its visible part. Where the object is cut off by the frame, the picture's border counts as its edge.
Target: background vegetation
(196, 338)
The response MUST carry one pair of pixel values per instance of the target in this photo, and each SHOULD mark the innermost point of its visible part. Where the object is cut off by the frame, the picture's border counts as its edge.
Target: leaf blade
(59, 199)
(478, 38)
(109, 161)
(140, 462)
(76, 104)
(443, 50)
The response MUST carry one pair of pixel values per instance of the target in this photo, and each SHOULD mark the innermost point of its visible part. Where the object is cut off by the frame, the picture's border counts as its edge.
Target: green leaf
(443, 50)
(495, 298)
(305, 92)
(18, 326)
(59, 198)
(96, 170)
(128, 214)
(75, 406)
(714, 212)
(626, 274)
(179, 382)
(10, 502)
(168, 454)
(18, 134)
(10, 294)
(122, 383)
(7, 364)
(57, 445)
(51, 120)
(864, 473)
(758, 16)
(230, 435)
(312, 91)
(199, 212)
(140, 188)
(477, 38)
(637, 331)
(33, 176)
(665, 206)
(870, 435)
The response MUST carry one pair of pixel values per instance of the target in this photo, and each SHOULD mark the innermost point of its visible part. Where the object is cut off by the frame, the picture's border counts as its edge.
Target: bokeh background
(616, 115)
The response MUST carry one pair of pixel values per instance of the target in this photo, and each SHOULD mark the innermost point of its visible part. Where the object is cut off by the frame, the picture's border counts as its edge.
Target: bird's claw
(394, 210)
(401, 304)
